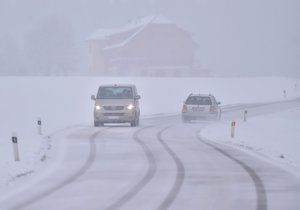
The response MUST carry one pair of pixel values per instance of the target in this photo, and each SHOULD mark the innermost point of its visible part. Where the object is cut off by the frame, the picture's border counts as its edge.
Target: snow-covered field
(275, 136)
(65, 101)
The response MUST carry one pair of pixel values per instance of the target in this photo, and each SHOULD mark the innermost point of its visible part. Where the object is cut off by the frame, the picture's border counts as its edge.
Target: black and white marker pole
(284, 94)
(39, 126)
(220, 114)
(14, 139)
(232, 133)
(245, 115)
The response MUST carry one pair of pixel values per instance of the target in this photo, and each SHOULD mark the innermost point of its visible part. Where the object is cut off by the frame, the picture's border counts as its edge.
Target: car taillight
(184, 108)
(212, 109)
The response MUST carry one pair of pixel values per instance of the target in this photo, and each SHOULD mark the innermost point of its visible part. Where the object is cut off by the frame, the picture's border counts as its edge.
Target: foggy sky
(235, 37)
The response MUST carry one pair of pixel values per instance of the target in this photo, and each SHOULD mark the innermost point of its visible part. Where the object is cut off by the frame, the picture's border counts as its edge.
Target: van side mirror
(93, 97)
(137, 97)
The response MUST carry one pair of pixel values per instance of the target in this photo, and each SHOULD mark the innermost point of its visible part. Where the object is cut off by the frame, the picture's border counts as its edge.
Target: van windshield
(115, 93)
(198, 100)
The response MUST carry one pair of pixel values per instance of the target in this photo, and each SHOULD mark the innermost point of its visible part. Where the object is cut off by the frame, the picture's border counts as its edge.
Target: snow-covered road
(163, 164)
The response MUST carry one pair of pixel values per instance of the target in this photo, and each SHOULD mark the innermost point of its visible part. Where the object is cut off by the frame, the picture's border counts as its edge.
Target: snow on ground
(275, 136)
(64, 101)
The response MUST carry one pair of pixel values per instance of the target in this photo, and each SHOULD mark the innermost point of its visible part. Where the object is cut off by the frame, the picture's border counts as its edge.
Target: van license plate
(113, 117)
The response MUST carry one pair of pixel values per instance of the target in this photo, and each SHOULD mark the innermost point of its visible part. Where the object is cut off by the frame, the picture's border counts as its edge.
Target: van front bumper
(114, 117)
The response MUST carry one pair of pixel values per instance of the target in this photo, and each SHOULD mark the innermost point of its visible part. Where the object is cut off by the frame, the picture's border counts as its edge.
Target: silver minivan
(116, 104)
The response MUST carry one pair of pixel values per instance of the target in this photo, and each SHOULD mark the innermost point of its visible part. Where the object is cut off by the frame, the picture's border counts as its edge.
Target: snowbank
(63, 101)
(275, 136)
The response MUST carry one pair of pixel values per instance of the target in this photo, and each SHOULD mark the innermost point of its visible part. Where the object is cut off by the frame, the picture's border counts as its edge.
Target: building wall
(163, 45)
(153, 51)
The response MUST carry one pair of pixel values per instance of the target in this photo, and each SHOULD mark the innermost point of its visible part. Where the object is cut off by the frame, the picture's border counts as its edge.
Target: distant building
(151, 46)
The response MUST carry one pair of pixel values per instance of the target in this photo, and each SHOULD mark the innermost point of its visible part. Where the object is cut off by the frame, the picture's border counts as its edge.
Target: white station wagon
(200, 106)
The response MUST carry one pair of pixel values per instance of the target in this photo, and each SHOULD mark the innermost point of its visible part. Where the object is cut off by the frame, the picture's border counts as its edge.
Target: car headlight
(130, 106)
(97, 107)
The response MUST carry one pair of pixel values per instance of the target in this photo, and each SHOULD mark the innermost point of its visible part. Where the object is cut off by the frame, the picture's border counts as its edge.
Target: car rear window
(115, 93)
(198, 100)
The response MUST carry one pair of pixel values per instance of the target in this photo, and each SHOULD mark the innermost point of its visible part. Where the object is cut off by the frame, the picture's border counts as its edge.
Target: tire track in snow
(152, 166)
(82, 170)
(180, 174)
(261, 195)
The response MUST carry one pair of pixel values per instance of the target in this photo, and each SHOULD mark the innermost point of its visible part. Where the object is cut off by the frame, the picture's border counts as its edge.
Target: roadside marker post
(245, 115)
(233, 124)
(220, 114)
(284, 93)
(14, 139)
(39, 124)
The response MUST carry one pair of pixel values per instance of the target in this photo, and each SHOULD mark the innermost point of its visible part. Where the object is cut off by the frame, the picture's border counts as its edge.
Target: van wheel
(134, 123)
(185, 120)
(98, 124)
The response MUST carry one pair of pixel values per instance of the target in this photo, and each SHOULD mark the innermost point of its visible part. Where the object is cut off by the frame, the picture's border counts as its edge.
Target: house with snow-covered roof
(150, 46)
